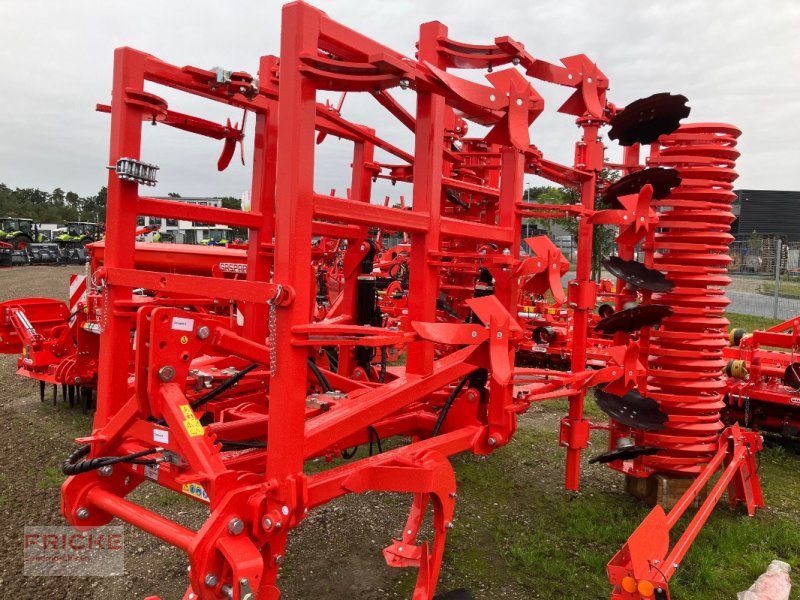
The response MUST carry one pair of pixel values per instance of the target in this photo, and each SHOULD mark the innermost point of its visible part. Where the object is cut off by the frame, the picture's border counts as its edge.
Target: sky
(737, 61)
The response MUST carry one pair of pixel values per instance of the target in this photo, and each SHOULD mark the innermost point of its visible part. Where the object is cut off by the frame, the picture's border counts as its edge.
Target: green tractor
(20, 233)
(217, 237)
(79, 233)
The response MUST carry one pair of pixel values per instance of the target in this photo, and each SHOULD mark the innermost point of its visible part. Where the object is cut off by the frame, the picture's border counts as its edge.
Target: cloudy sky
(737, 61)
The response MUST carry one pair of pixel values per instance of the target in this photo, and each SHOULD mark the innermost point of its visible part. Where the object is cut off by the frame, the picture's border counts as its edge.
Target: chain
(747, 411)
(104, 314)
(273, 331)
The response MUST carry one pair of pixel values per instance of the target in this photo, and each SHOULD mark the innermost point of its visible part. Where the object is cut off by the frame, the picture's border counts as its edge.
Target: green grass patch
(51, 478)
(750, 322)
(786, 289)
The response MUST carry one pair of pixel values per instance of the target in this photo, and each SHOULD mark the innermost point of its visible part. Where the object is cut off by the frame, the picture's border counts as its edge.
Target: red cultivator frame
(228, 369)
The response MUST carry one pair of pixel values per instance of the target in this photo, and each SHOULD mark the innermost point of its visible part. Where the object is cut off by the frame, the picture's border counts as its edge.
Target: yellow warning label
(192, 425)
(196, 490)
(184, 340)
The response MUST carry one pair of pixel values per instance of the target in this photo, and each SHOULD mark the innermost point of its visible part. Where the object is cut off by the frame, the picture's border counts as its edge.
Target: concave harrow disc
(637, 275)
(645, 120)
(633, 319)
(632, 409)
(662, 180)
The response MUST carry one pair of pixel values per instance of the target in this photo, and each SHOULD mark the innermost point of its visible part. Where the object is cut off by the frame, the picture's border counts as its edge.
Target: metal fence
(765, 274)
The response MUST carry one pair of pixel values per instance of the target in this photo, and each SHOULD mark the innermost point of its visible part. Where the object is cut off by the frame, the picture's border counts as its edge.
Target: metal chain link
(747, 411)
(272, 321)
(104, 314)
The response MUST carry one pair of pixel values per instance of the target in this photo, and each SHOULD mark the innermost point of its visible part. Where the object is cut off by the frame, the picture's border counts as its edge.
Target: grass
(786, 289)
(750, 322)
(518, 534)
(51, 478)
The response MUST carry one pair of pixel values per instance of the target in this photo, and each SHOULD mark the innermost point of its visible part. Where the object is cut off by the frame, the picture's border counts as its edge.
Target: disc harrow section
(691, 248)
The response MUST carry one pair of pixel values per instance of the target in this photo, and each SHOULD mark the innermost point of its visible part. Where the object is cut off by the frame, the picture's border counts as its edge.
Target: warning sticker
(196, 490)
(182, 324)
(192, 425)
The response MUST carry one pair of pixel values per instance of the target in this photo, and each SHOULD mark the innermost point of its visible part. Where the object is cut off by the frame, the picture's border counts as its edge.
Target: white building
(188, 232)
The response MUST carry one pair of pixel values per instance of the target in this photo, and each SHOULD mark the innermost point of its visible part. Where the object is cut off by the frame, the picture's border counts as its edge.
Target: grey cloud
(735, 60)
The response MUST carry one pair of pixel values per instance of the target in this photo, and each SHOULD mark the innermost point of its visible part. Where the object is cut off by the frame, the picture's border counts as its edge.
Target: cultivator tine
(64, 388)
(41, 390)
(71, 392)
(647, 119)
(55, 394)
(86, 399)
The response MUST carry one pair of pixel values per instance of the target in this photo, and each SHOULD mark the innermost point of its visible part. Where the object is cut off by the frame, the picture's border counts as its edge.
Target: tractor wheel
(21, 242)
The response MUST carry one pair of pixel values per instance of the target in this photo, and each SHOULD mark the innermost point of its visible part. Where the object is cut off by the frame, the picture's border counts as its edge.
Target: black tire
(21, 242)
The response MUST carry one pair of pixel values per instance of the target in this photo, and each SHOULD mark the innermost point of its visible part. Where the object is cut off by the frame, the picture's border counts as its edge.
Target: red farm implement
(763, 379)
(221, 371)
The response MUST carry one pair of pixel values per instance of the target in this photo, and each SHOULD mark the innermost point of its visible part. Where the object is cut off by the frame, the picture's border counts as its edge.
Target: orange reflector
(629, 584)
(646, 588)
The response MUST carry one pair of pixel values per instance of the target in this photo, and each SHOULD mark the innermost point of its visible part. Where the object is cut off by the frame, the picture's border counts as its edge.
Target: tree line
(57, 206)
(604, 235)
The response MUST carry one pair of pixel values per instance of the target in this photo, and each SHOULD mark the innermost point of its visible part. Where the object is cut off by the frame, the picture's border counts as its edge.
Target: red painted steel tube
(683, 544)
(155, 525)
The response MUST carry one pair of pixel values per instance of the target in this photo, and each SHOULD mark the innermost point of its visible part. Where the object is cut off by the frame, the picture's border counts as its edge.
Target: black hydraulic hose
(323, 381)
(237, 445)
(74, 465)
(348, 454)
(448, 403)
(374, 432)
(384, 359)
(222, 387)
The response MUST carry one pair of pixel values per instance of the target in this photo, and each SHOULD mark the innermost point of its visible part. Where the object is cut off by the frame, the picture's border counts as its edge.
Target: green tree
(603, 238)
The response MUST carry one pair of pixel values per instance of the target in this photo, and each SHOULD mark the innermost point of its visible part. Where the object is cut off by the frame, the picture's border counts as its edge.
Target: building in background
(188, 232)
(766, 214)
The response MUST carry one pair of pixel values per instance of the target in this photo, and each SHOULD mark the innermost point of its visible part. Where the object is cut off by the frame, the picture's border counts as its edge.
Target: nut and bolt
(285, 511)
(227, 591)
(211, 580)
(492, 441)
(279, 559)
(106, 471)
(404, 83)
(267, 523)
(235, 526)
(203, 332)
(244, 589)
(166, 373)
(82, 513)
